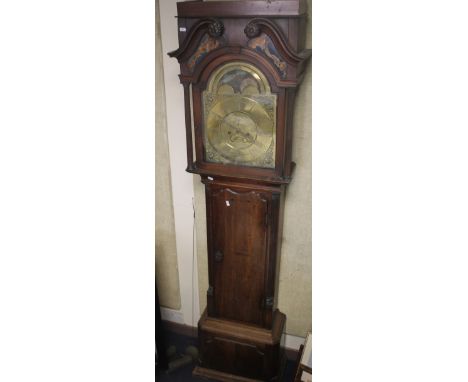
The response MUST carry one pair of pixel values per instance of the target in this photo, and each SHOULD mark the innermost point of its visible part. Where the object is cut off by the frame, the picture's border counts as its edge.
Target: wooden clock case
(240, 332)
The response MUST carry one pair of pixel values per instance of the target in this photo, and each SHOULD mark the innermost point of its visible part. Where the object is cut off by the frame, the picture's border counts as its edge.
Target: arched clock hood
(267, 35)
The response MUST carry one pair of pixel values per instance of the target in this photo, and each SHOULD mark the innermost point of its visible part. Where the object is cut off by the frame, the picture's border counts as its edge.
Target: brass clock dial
(239, 117)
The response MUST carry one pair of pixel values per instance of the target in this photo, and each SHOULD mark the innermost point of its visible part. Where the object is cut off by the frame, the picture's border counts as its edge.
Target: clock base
(234, 351)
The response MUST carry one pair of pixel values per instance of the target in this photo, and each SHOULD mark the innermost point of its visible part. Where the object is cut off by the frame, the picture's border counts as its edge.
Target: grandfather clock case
(240, 65)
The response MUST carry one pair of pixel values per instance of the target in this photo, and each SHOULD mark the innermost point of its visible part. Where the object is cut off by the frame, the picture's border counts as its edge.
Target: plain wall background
(167, 272)
(181, 192)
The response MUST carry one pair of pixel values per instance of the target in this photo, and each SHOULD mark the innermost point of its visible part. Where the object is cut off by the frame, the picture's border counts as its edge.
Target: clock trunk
(242, 226)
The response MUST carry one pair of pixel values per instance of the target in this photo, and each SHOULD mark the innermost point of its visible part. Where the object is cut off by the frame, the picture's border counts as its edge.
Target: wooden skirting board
(191, 331)
(185, 330)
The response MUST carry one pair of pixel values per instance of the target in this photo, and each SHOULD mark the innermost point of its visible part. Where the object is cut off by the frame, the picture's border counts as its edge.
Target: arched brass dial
(239, 117)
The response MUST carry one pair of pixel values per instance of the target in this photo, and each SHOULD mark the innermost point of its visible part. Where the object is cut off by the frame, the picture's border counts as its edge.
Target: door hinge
(268, 302)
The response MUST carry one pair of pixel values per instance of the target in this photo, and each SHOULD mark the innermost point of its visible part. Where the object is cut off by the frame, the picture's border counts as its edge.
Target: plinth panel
(234, 351)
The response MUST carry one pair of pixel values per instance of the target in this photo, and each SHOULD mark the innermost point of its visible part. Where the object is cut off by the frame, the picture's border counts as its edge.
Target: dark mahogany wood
(188, 128)
(278, 8)
(240, 332)
(232, 348)
(242, 247)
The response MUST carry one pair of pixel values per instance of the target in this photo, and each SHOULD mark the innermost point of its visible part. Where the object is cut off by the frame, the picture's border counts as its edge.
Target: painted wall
(167, 275)
(295, 268)
(181, 181)
(295, 290)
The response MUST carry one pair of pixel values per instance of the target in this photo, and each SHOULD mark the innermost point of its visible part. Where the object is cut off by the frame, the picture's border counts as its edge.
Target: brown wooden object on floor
(297, 377)
(241, 63)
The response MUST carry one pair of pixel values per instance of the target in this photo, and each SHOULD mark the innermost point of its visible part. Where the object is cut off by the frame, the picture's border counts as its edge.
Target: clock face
(239, 117)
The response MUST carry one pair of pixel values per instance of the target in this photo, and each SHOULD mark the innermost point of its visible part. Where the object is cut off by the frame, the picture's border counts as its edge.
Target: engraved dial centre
(239, 130)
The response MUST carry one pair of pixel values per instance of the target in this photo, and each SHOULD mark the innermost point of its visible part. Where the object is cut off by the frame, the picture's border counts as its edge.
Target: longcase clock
(241, 63)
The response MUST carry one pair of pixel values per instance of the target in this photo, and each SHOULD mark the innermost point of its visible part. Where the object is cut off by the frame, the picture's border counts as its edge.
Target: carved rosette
(216, 28)
(252, 30)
